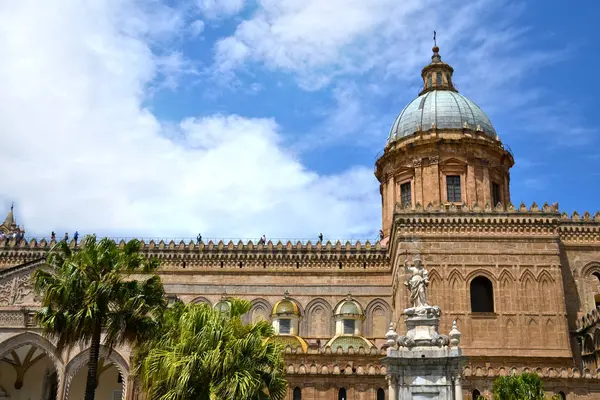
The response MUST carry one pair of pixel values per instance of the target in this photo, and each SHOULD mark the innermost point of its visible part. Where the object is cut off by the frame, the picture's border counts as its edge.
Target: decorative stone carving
(417, 283)
(417, 162)
(18, 290)
(434, 159)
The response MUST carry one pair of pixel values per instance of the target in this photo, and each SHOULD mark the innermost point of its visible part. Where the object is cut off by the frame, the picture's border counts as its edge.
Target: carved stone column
(458, 394)
(418, 186)
(392, 387)
(471, 186)
(487, 199)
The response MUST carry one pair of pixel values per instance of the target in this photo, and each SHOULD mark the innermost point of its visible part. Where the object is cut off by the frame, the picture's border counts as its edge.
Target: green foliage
(527, 386)
(198, 353)
(89, 291)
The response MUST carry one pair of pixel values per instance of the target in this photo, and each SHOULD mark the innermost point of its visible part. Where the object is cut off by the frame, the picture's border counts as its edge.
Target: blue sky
(236, 118)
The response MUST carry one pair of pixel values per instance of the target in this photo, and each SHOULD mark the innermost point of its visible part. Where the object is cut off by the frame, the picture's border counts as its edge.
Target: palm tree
(90, 291)
(204, 354)
(527, 386)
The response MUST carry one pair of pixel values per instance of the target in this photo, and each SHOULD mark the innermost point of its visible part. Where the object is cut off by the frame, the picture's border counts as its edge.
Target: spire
(437, 75)
(9, 221)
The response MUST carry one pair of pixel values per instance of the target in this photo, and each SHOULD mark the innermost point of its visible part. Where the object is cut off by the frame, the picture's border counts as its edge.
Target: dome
(290, 340)
(349, 306)
(442, 109)
(345, 342)
(285, 307)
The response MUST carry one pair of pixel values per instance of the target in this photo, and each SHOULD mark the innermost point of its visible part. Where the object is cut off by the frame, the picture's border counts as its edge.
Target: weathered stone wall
(518, 253)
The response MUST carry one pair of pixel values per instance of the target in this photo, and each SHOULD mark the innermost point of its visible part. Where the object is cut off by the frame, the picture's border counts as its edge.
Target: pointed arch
(379, 315)
(510, 333)
(532, 333)
(527, 274)
(528, 291)
(260, 311)
(551, 334)
(32, 339)
(506, 284)
(506, 275)
(318, 320)
(81, 359)
(546, 291)
(435, 289)
(456, 294)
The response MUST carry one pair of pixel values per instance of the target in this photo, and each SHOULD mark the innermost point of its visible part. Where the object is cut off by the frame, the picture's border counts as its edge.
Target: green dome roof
(346, 342)
(286, 306)
(349, 306)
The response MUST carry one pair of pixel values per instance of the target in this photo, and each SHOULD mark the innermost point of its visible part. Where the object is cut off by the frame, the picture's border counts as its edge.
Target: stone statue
(418, 282)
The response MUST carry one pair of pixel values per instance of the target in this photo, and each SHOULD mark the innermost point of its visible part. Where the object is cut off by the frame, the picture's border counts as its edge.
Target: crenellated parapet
(338, 255)
(581, 229)
(500, 221)
(483, 371)
(498, 209)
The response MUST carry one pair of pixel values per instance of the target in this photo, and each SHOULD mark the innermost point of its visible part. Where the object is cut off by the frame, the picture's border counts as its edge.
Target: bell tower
(442, 151)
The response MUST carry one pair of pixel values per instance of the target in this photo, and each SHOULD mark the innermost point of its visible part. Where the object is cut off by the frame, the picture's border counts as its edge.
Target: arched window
(297, 394)
(380, 394)
(562, 395)
(342, 394)
(476, 394)
(597, 295)
(482, 295)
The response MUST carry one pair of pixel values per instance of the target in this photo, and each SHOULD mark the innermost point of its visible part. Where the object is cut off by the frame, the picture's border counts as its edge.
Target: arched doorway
(112, 376)
(342, 394)
(28, 368)
(297, 394)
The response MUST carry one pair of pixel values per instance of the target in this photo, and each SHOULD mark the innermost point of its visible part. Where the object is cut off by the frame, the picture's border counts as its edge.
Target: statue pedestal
(423, 364)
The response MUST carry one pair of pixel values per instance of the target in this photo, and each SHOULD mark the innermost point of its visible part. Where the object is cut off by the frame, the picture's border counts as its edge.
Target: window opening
(349, 325)
(496, 198)
(285, 326)
(453, 188)
(482, 295)
(297, 394)
(405, 194)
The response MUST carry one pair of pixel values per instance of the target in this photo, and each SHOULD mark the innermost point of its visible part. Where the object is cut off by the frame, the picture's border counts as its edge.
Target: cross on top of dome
(437, 75)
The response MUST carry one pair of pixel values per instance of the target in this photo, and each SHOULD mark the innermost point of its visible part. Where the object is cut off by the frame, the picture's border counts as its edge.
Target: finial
(12, 205)
(436, 50)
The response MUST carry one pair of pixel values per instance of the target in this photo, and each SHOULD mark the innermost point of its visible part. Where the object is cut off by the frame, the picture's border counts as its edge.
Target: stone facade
(521, 282)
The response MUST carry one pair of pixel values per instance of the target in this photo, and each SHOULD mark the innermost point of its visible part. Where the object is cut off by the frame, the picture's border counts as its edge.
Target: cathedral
(521, 282)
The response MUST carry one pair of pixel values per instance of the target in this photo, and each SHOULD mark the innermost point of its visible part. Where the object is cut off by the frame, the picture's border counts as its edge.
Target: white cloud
(197, 27)
(80, 151)
(384, 43)
(220, 8)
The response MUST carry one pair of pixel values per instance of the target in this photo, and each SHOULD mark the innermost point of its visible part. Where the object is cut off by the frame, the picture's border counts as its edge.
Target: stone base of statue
(424, 364)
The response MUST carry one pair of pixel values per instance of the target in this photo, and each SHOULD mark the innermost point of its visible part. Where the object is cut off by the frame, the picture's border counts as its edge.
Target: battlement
(476, 209)
(228, 255)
